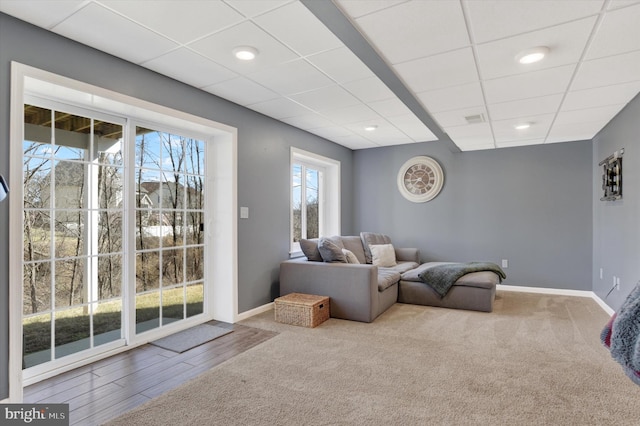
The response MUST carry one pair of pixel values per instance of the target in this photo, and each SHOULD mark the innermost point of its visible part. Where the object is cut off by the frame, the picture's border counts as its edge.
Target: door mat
(191, 337)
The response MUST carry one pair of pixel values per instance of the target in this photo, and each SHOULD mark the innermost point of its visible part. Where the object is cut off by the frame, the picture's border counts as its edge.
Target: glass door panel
(169, 174)
(73, 234)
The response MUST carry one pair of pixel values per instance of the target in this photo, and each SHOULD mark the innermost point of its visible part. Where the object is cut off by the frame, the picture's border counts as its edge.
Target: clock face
(420, 179)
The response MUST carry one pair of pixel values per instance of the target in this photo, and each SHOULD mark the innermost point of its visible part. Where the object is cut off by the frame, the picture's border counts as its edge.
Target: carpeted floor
(536, 360)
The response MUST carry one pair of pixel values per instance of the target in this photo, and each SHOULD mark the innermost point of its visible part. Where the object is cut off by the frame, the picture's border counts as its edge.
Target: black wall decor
(612, 176)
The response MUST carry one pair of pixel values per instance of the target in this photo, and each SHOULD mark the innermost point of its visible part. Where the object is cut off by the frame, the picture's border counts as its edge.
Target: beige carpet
(536, 360)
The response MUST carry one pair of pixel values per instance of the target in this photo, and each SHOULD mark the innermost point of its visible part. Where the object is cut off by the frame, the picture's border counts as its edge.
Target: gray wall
(263, 155)
(616, 224)
(530, 205)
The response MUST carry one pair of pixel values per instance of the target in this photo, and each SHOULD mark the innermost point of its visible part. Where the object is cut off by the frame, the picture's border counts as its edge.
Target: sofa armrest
(352, 288)
(408, 254)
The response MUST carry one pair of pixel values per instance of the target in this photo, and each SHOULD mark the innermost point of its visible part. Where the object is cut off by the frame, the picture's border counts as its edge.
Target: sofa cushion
(383, 255)
(402, 267)
(351, 258)
(387, 278)
(331, 250)
(369, 238)
(354, 244)
(310, 249)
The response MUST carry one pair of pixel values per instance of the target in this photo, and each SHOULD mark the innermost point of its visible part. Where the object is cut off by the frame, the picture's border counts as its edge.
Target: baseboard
(603, 304)
(254, 311)
(558, 292)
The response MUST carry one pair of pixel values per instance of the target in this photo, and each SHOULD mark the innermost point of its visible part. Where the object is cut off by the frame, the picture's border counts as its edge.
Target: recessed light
(532, 55)
(371, 128)
(522, 126)
(245, 53)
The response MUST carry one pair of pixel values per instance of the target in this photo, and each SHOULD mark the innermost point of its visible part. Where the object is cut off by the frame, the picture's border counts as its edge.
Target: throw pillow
(350, 256)
(371, 238)
(330, 251)
(310, 249)
(383, 255)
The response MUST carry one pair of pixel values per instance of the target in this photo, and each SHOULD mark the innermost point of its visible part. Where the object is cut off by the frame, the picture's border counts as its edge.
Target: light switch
(244, 212)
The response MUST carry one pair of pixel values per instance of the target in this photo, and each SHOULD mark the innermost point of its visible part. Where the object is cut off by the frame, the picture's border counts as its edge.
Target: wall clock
(420, 179)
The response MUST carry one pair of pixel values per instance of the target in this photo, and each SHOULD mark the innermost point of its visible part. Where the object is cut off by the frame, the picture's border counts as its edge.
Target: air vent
(475, 119)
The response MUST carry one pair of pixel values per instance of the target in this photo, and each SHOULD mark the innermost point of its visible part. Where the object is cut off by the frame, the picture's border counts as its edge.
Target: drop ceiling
(418, 70)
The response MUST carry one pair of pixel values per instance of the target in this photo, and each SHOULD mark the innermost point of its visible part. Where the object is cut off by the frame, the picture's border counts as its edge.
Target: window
(315, 197)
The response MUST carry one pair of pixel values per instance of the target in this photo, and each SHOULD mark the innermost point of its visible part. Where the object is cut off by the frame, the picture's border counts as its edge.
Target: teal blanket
(442, 277)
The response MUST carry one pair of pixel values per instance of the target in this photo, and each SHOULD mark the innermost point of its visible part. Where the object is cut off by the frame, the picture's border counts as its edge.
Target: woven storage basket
(306, 310)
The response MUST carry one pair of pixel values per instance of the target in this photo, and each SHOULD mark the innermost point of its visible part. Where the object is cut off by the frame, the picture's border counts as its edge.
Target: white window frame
(222, 158)
(329, 194)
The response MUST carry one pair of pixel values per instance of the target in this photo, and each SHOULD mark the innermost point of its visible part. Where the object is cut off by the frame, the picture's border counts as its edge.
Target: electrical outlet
(505, 263)
(618, 283)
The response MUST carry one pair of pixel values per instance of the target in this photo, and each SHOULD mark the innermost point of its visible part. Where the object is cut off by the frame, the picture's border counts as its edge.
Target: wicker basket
(305, 310)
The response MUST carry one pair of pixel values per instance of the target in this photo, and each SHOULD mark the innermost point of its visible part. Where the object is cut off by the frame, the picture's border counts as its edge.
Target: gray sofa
(362, 291)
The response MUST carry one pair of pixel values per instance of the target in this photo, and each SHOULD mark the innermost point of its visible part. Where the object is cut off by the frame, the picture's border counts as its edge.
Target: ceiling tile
(369, 90)
(292, 77)
(438, 25)
(520, 142)
(411, 126)
(219, 47)
(505, 131)
(332, 132)
(280, 108)
(439, 71)
(619, 32)
(179, 20)
(523, 107)
(326, 98)
(573, 132)
(242, 91)
(529, 85)
(471, 133)
(389, 107)
(608, 71)
(44, 14)
(495, 19)
(470, 144)
(351, 114)
(354, 141)
(601, 96)
(189, 67)
(295, 26)
(309, 121)
(358, 8)
(589, 115)
(251, 8)
(452, 98)
(341, 65)
(126, 39)
(457, 117)
(566, 43)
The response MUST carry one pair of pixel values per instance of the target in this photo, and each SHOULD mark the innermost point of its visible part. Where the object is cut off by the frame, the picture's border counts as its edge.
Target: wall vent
(475, 119)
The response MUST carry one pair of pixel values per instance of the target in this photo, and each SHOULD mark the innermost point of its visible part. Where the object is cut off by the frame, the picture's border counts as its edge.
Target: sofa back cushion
(354, 245)
(310, 249)
(372, 238)
(331, 249)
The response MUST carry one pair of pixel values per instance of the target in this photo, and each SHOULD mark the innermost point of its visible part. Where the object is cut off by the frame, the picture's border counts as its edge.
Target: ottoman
(475, 291)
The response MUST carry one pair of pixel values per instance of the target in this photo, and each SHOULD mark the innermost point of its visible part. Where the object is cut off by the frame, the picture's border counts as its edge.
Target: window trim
(329, 194)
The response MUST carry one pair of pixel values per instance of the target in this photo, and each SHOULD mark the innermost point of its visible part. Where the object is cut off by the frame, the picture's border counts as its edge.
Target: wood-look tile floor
(107, 388)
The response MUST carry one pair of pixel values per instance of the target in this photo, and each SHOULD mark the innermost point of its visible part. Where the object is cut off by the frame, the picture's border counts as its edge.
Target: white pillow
(383, 255)
(351, 258)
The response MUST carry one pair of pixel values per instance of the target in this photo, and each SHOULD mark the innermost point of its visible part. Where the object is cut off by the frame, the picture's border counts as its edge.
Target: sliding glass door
(88, 204)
